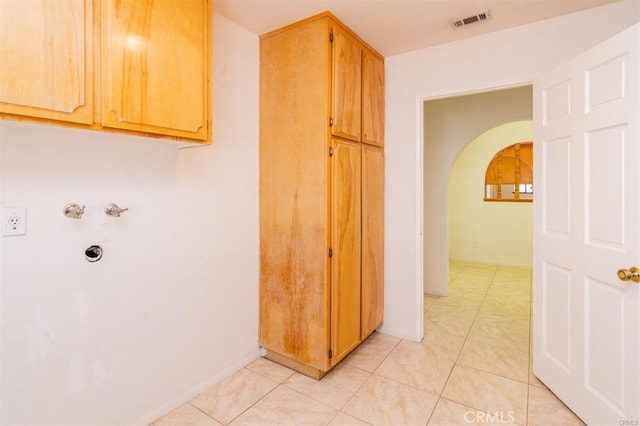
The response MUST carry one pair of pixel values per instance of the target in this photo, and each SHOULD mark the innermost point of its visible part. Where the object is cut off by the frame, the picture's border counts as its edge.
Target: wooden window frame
(494, 175)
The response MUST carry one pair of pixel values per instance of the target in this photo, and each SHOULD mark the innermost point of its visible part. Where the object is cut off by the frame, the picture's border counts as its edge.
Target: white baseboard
(190, 393)
(396, 333)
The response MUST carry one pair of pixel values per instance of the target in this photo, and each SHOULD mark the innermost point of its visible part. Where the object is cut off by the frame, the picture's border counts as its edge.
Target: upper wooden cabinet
(357, 111)
(154, 66)
(135, 66)
(346, 85)
(46, 70)
(372, 99)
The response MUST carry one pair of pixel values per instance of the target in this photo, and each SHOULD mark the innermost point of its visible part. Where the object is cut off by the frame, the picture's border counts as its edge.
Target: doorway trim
(420, 150)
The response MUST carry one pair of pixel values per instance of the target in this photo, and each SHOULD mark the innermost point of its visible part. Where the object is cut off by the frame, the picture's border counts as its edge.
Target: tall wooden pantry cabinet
(321, 193)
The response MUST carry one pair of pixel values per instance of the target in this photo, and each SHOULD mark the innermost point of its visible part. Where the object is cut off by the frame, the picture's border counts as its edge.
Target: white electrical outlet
(14, 221)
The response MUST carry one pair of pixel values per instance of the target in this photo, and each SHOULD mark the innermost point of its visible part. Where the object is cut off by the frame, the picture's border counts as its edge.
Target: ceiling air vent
(482, 16)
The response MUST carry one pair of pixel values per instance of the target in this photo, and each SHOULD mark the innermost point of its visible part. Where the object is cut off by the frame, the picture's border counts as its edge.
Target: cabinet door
(46, 66)
(345, 244)
(155, 66)
(347, 80)
(372, 98)
(372, 238)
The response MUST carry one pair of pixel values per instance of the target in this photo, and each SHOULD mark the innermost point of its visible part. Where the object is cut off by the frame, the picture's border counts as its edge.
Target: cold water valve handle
(73, 211)
(112, 209)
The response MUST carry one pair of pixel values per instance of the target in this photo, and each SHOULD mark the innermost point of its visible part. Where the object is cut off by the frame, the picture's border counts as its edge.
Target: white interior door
(586, 323)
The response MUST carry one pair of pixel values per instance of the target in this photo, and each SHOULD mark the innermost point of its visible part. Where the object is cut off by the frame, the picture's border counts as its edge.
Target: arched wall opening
(449, 125)
(482, 231)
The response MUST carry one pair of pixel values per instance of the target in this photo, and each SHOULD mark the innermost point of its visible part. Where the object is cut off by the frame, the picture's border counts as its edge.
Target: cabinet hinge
(330, 152)
(331, 37)
(330, 354)
(330, 252)
(330, 121)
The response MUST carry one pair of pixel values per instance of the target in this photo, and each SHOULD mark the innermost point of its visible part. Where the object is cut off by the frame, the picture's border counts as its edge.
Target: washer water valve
(73, 211)
(112, 209)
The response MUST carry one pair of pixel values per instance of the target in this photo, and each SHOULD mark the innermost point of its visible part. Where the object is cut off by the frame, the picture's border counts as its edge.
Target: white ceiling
(398, 26)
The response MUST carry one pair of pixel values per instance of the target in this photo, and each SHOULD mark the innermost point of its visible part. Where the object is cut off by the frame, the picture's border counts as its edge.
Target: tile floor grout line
(311, 398)
(351, 398)
(455, 363)
(350, 415)
(529, 372)
(203, 412)
(526, 418)
(471, 407)
(334, 417)
(387, 355)
(406, 384)
(499, 319)
(374, 372)
(370, 373)
(466, 336)
(254, 404)
(284, 385)
(434, 409)
(478, 369)
(528, 332)
(270, 378)
(324, 403)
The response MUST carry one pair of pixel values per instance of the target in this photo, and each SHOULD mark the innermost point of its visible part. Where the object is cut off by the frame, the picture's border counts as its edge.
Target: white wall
(172, 306)
(449, 125)
(500, 59)
(501, 231)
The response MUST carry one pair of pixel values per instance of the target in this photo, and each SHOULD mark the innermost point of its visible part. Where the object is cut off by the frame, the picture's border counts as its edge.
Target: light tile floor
(473, 366)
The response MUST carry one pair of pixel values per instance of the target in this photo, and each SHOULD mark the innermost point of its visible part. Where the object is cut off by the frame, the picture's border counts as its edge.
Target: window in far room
(509, 176)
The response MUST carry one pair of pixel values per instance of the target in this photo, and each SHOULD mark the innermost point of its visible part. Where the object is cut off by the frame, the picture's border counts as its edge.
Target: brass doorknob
(631, 274)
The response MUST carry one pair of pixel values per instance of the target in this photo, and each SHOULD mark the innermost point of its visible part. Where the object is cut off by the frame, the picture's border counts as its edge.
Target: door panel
(605, 343)
(556, 104)
(346, 246)
(556, 296)
(372, 238)
(47, 52)
(372, 98)
(347, 82)
(605, 83)
(556, 187)
(586, 227)
(604, 162)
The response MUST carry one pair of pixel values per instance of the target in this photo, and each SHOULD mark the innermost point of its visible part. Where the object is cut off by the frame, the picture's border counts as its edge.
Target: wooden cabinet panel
(294, 194)
(372, 98)
(347, 81)
(46, 59)
(155, 66)
(346, 245)
(372, 238)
